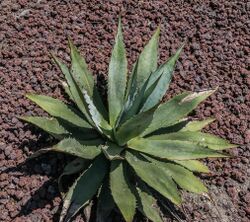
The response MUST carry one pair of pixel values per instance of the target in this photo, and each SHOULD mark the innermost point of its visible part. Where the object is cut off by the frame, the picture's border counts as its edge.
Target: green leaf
(117, 77)
(175, 109)
(84, 78)
(50, 125)
(100, 123)
(105, 203)
(164, 74)
(155, 177)
(133, 101)
(67, 90)
(72, 167)
(144, 66)
(197, 125)
(134, 126)
(147, 61)
(85, 187)
(193, 165)
(75, 91)
(79, 70)
(61, 129)
(60, 110)
(172, 150)
(147, 204)
(112, 151)
(84, 149)
(121, 190)
(203, 139)
(183, 177)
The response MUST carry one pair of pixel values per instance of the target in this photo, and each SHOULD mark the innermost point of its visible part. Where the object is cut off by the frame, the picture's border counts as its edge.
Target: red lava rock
(216, 54)
(232, 192)
(247, 210)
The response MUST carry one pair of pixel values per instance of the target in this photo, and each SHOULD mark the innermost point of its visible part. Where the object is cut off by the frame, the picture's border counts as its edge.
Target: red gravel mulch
(217, 35)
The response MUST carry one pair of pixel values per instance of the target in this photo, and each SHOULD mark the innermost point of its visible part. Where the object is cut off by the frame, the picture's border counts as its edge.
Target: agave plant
(133, 146)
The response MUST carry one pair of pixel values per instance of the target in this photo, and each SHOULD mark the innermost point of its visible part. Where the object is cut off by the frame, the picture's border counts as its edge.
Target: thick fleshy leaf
(112, 151)
(84, 78)
(197, 125)
(172, 150)
(134, 126)
(175, 109)
(60, 110)
(50, 125)
(75, 91)
(193, 165)
(60, 129)
(67, 90)
(147, 61)
(105, 203)
(121, 190)
(164, 74)
(84, 149)
(144, 66)
(117, 77)
(134, 100)
(85, 187)
(147, 204)
(154, 176)
(72, 167)
(203, 139)
(183, 177)
(80, 72)
(99, 121)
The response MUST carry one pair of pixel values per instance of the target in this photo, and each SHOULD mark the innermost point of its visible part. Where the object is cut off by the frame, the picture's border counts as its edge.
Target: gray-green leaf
(164, 74)
(50, 125)
(84, 149)
(172, 149)
(117, 77)
(147, 204)
(121, 190)
(85, 187)
(155, 177)
(203, 139)
(134, 126)
(175, 109)
(60, 110)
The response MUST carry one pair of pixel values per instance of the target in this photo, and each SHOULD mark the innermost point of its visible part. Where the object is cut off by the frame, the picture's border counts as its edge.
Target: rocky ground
(217, 35)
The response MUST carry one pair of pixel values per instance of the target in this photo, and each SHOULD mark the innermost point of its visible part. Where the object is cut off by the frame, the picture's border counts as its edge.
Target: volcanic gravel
(217, 36)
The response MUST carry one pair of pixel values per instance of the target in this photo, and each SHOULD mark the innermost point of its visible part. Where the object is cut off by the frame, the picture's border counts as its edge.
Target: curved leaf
(172, 149)
(50, 125)
(147, 204)
(147, 61)
(112, 151)
(121, 190)
(84, 188)
(72, 167)
(203, 139)
(164, 74)
(100, 123)
(84, 149)
(105, 203)
(183, 177)
(134, 126)
(117, 77)
(193, 165)
(197, 125)
(84, 78)
(75, 91)
(59, 109)
(155, 177)
(175, 109)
